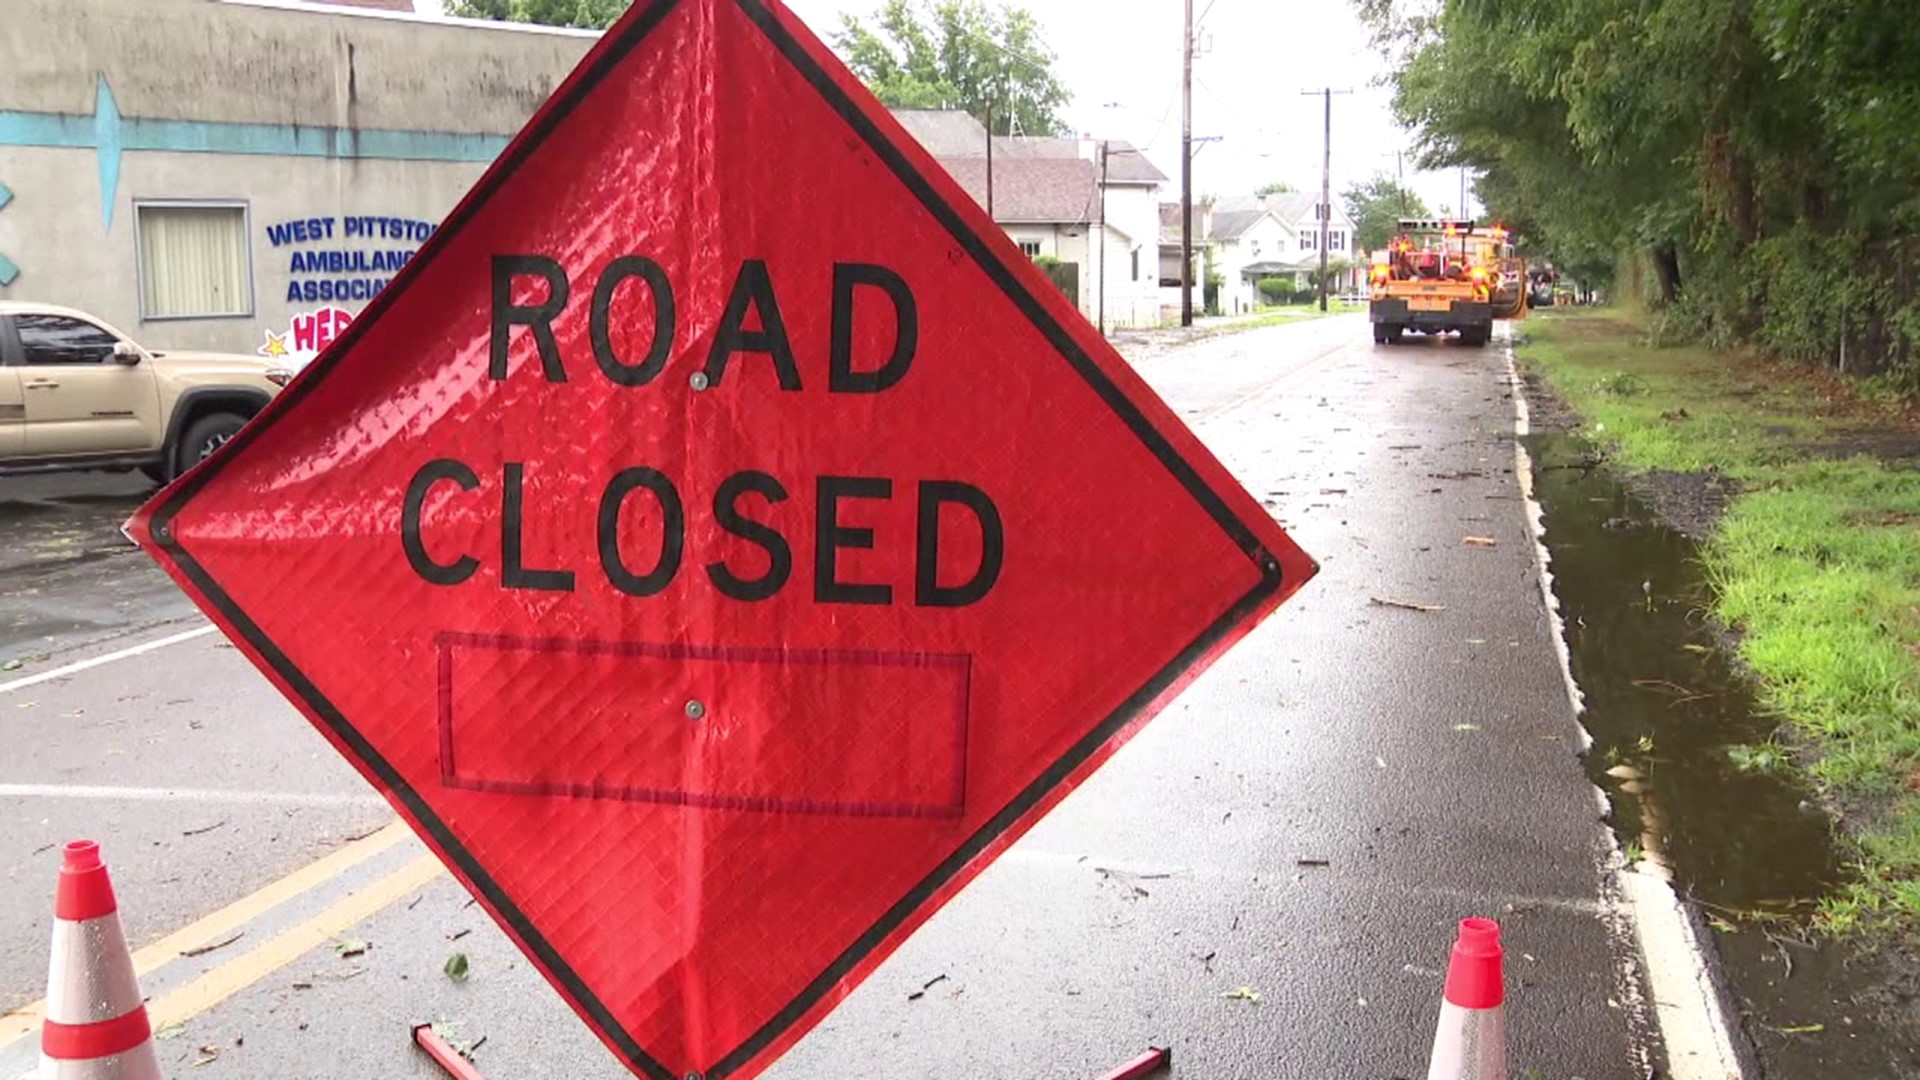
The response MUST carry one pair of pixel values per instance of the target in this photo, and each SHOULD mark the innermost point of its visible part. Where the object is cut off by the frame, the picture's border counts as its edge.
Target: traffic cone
(96, 1026)
(1472, 1041)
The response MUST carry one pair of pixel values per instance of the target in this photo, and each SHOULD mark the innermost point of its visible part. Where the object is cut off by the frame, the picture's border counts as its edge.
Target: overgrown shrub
(1277, 290)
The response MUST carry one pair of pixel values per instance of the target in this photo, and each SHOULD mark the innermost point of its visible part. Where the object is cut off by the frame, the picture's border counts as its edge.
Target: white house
(1252, 237)
(1049, 196)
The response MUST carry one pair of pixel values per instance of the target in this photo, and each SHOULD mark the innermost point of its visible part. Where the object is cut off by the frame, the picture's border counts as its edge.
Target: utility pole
(1326, 185)
(1103, 238)
(1186, 174)
(990, 159)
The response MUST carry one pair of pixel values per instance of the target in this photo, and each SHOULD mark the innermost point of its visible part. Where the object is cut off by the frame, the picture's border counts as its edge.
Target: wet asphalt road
(1306, 822)
(67, 576)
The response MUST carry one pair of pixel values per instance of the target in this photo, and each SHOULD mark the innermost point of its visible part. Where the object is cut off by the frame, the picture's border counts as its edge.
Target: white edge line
(1680, 982)
(204, 795)
(108, 658)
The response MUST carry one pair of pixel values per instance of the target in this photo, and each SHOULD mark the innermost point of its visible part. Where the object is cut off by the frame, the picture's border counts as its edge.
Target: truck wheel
(203, 437)
(1394, 334)
(159, 474)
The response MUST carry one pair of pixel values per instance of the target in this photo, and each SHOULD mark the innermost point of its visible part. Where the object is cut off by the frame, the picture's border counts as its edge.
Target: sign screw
(695, 710)
(698, 380)
(693, 1076)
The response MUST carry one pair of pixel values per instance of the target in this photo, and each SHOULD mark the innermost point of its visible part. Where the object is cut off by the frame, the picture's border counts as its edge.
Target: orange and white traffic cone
(1472, 1041)
(96, 1026)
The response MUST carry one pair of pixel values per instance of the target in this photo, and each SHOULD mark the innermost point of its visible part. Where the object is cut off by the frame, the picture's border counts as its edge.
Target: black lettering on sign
(434, 472)
(829, 536)
(673, 531)
(753, 288)
(538, 317)
(513, 570)
(841, 378)
(927, 590)
(620, 372)
(726, 512)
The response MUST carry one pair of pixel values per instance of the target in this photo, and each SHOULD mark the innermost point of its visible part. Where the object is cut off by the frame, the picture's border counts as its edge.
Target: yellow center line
(224, 922)
(289, 945)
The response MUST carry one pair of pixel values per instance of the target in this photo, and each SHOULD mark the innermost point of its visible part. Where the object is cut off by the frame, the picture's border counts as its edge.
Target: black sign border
(613, 50)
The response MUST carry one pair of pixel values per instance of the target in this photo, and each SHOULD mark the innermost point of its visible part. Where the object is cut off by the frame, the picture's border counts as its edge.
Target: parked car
(76, 393)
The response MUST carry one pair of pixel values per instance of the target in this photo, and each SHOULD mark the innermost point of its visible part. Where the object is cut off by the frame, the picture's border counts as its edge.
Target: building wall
(1266, 241)
(1133, 227)
(371, 127)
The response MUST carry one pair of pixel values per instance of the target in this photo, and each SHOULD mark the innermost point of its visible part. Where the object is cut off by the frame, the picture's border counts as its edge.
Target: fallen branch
(1405, 605)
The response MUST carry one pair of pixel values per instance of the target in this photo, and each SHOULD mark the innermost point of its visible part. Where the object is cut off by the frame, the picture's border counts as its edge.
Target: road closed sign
(719, 542)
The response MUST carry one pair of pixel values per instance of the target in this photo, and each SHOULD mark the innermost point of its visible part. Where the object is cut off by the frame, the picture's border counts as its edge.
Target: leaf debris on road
(926, 986)
(1243, 993)
(1405, 605)
(1481, 541)
(202, 950)
(204, 828)
(457, 967)
(344, 947)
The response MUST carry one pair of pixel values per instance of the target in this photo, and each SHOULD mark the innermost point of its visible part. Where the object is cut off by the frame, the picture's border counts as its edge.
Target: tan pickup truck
(75, 393)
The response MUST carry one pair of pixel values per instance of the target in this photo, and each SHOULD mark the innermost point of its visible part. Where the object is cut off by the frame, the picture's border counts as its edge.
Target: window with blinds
(193, 260)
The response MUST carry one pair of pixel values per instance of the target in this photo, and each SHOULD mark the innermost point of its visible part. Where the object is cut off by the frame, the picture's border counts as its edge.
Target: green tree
(1376, 208)
(1753, 160)
(584, 14)
(959, 54)
(1277, 187)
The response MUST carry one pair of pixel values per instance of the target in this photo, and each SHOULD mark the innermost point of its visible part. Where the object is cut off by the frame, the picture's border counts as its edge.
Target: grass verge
(1816, 562)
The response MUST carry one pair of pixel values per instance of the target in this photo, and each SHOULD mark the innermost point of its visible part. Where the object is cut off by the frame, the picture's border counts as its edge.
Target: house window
(1336, 240)
(1030, 248)
(1309, 241)
(193, 260)
(1256, 249)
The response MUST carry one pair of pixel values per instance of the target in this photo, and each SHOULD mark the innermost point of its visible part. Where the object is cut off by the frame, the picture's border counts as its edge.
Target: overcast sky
(1121, 61)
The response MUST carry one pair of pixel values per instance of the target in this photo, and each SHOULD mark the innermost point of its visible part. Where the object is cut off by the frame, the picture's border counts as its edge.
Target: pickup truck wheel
(203, 437)
(159, 474)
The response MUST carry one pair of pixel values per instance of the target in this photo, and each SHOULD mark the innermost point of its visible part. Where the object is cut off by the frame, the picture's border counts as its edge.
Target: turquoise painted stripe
(216, 137)
(8, 271)
(45, 129)
(109, 135)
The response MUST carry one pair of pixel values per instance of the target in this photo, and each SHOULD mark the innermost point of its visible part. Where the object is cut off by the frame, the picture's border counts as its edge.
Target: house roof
(1232, 224)
(1056, 191)
(1044, 180)
(1293, 206)
(1170, 222)
(378, 5)
(944, 132)
(1126, 164)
